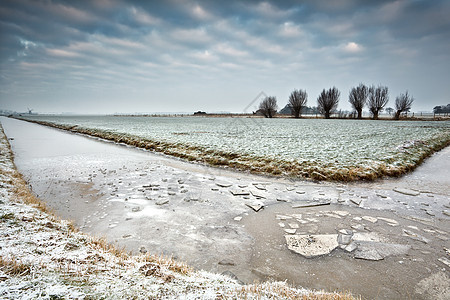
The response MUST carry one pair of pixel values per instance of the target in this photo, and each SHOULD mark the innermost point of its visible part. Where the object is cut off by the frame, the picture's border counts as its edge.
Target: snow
(42, 257)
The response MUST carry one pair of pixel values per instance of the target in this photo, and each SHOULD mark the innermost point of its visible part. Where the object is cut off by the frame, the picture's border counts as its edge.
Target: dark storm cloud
(55, 53)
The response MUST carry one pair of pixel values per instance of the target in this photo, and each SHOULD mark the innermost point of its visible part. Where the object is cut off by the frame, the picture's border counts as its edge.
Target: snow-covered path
(206, 216)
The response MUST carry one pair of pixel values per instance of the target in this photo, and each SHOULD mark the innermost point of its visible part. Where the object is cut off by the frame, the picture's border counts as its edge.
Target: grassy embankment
(44, 257)
(404, 161)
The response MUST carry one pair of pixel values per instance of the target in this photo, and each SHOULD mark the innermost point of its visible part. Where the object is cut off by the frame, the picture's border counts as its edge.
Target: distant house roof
(200, 113)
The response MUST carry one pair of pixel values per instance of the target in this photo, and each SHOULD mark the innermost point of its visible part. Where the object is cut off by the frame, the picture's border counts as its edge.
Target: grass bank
(44, 257)
(407, 158)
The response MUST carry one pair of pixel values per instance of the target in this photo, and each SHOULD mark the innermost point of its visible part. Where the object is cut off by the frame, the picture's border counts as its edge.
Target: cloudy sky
(106, 56)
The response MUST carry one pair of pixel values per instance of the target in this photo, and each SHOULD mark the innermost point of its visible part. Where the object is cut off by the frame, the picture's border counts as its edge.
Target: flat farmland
(343, 150)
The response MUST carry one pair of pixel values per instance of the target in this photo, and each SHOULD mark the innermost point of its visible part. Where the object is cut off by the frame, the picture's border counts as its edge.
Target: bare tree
(268, 107)
(297, 100)
(403, 104)
(328, 101)
(377, 99)
(358, 98)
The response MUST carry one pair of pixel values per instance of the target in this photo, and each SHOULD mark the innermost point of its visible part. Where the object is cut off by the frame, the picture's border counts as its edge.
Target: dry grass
(8, 216)
(168, 262)
(102, 243)
(23, 194)
(20, 189)
(280, 290)
(13, 266)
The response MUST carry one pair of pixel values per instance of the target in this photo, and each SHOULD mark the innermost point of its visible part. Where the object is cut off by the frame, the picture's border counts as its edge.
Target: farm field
(313, 148)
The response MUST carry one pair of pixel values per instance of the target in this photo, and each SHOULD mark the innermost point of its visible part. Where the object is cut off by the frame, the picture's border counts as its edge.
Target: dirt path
(206, 216)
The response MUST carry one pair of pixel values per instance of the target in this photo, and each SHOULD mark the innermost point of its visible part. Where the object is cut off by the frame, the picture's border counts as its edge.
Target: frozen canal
(392, 236)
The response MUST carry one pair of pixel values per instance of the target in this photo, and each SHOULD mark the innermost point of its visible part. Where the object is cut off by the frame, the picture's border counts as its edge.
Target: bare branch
(377, 99)
(328, 101)
(403, 104)
(268, 107)
(358, 98)
(297, 100)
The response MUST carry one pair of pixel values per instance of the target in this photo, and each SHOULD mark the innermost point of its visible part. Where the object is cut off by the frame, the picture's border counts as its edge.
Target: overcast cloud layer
(109, 56)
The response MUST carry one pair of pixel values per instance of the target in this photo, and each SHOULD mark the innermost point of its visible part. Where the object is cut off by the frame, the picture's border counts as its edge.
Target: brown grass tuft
(280, 290)
(23, 194)
(8, 216)
(168, 262)
(13, 266)
(20, 189)
(102, 243)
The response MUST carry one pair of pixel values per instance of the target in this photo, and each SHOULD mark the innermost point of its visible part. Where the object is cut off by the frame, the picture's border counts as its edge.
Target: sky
(113, 56)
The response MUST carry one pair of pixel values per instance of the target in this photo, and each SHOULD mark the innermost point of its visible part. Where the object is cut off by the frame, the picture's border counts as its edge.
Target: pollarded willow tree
(268, 107)
(358, 98)
(377, 99)
(328, 101)
(403, 104)
(297, 100)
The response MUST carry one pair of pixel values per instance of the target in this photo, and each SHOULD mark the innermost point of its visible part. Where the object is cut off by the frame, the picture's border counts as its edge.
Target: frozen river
(206, 216)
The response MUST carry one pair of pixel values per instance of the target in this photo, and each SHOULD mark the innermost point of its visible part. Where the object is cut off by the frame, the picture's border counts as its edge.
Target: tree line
(375, 98)
(442, 109)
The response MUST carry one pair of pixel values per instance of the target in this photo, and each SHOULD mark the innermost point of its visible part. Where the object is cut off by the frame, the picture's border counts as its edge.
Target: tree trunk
(397, 114)
(375, 115)
(327, 115)
(359, 113)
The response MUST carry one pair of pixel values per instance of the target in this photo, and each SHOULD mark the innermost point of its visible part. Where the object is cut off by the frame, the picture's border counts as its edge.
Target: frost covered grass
(44, 257)
(340, 150)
